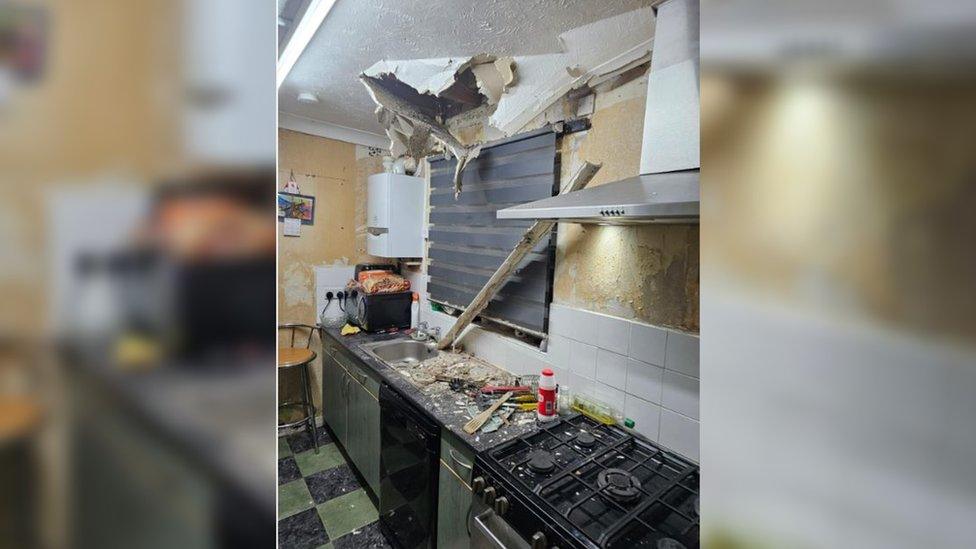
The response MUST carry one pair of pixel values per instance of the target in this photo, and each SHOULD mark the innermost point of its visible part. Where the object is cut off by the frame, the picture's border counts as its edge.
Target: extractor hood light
(308, 98)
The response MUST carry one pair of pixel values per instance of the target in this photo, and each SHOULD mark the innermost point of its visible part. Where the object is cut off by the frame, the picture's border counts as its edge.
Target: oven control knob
(478, 484)
(539, 541)
(501, 505)
(489, 495)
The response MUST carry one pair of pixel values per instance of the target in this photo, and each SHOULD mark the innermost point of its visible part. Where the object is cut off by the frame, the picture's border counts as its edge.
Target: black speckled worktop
(444, 407)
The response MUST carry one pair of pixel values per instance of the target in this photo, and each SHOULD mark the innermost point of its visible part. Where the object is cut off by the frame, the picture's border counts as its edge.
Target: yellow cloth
(349, 329)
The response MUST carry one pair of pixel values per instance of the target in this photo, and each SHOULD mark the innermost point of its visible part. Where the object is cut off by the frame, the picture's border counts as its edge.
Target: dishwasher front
(409, 451)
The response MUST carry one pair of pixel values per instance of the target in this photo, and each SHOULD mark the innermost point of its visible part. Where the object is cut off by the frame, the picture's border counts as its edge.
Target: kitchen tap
(421, 332)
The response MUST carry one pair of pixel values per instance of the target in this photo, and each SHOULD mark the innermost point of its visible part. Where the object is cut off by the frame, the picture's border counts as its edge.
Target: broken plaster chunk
(420, 101)
(493, 78)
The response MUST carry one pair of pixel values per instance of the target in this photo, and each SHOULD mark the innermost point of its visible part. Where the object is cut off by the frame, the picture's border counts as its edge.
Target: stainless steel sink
(401, 351)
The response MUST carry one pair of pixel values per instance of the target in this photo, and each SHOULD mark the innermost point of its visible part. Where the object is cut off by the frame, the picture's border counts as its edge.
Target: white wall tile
(647, 343)
(495, 353)
(444, 321)
(559, 323)
(582, 359)
(644, 380)
(482, 345)
(576, 384)
(680, 433)
(611, 369)
(500, 351)
(575, 324)
(610, 396)
(522, 359)
(682, 354)
(613, 334)
(561, 376)
(680, 393)
(646, 416)
(560, 349)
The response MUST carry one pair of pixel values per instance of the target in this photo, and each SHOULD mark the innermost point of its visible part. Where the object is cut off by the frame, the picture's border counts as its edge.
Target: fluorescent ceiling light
(306, 29)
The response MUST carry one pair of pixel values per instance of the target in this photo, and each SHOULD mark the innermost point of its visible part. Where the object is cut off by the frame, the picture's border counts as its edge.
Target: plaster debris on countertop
(448, 408)
(456, 104)
(434, 376)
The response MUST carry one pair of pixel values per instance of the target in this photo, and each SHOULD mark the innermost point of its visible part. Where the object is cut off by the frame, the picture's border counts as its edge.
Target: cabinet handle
(458, 461)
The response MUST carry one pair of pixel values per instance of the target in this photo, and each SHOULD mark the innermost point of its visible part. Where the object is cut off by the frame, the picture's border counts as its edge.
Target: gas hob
(579, 483)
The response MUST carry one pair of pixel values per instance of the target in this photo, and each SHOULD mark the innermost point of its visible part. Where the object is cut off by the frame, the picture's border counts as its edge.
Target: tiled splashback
(649, 373)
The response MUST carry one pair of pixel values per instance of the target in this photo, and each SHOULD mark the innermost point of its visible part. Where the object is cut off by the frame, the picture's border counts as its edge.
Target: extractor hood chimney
(667, 191)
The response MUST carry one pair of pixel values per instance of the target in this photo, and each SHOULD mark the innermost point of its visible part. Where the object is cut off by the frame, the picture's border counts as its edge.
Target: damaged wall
(645, 272)
(335, 173)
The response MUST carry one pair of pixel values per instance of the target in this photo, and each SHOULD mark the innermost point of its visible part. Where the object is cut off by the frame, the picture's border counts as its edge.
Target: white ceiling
(358, 33)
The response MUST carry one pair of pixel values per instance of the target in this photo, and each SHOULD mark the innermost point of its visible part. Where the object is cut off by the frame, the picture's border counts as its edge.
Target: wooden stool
(300, 358)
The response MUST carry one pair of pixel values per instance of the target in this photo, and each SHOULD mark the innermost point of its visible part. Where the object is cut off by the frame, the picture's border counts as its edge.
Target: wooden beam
(528, 241)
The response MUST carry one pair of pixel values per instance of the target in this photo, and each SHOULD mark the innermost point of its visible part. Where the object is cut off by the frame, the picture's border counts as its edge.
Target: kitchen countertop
(216, 415)
(443, 407)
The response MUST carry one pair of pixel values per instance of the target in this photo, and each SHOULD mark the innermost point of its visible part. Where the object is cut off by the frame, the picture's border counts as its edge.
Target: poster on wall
(296, 206)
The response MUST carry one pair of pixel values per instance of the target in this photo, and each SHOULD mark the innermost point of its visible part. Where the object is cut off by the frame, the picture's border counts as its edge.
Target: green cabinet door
(364, 430)
(333, 396)
(453, 505)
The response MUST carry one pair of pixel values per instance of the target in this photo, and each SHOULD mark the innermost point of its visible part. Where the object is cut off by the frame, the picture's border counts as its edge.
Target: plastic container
(415, 311)
(547, 396)
(564, 400)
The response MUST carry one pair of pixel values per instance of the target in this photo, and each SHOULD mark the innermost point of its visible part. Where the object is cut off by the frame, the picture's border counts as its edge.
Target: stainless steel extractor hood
(667, 191)
(653, 198)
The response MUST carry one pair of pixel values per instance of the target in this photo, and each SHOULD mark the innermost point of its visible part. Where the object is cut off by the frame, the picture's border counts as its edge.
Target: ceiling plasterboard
(332, 131)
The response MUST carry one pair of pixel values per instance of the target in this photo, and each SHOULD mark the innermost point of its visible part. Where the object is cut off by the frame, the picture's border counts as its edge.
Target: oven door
(490, 531)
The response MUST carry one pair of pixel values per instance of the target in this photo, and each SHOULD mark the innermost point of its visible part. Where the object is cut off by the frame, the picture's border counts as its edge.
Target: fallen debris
(528, 241)
(456, 104)
(480, 419)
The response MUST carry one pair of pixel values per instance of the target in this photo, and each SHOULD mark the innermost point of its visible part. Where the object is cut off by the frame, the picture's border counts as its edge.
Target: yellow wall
(330, 171)
(107, 105)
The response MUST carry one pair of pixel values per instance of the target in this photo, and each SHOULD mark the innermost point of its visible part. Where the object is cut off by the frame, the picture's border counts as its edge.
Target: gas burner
(669, 543)
(585, 439)
(541, 462)
(619, 484)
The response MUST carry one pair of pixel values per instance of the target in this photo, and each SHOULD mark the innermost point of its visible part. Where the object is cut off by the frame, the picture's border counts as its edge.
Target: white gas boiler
(395, 215)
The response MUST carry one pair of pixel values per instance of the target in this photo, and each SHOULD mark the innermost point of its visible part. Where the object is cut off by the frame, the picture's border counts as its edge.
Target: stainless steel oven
(490, 531)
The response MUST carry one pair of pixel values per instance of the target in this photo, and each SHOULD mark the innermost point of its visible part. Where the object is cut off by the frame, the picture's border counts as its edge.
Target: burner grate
(652, 494)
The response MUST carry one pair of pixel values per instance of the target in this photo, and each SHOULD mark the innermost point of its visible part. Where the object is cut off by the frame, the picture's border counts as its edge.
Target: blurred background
(137, 241)
(838, 312)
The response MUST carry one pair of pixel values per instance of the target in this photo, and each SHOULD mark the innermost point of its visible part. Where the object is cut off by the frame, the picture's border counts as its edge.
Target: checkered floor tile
(320, 502)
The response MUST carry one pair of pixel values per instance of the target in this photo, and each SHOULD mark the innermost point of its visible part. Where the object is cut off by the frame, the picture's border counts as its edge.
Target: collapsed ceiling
(456, 104)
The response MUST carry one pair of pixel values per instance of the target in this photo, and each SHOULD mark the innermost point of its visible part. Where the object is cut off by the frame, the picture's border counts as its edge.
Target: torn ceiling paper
(430, 102)
(590, 53)
(458, 103)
